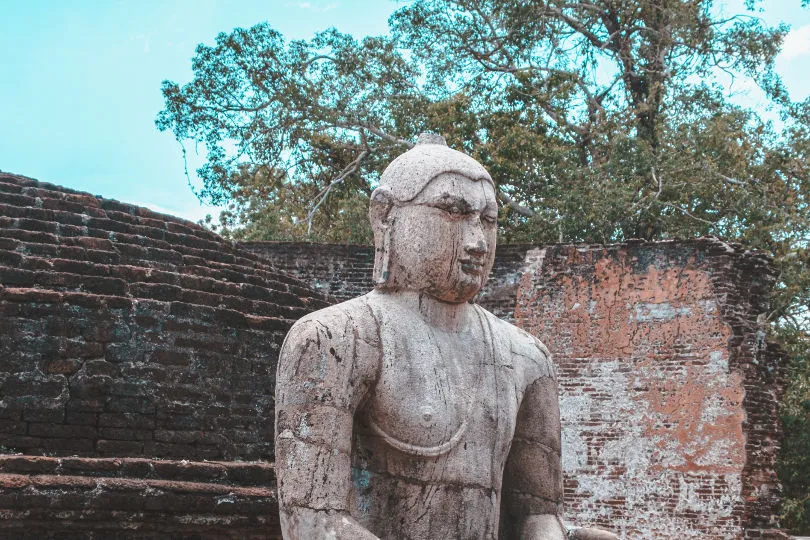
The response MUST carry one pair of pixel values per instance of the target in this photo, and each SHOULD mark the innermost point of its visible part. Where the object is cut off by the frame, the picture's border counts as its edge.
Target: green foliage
(286, 124)
(794, 463)
(599, 120)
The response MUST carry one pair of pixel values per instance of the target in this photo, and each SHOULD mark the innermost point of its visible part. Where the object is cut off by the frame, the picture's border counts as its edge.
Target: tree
(566, 101)
(294, 132)
(794, 464)
(600, 120)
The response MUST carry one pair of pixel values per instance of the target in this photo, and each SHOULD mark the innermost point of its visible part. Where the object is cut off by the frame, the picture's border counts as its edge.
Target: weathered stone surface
(398, 412)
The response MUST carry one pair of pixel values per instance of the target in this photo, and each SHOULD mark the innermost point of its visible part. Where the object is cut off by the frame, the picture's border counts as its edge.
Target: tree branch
(686, 212)
(516, 206)
(578, 27)
(358, 124)
(321, 197)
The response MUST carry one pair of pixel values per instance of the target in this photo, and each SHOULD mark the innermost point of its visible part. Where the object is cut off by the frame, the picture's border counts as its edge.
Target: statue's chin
(457, 288)
(457, 295)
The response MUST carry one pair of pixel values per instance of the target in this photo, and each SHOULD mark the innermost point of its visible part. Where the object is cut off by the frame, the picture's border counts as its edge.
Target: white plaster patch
(632, 453)
(710, 307)
(534, 261)
(574, 449)
(722, 453)
(574, 408)
(712, 409)
(718, 362)
(664, 311)
(724, 495)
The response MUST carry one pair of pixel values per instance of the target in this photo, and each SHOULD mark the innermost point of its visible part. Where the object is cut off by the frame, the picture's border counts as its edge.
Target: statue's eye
(453, 209)
(489, 220)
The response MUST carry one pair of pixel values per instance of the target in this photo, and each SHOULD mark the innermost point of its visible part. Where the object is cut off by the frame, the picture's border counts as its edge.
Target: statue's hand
(306, 523)
(591, 534)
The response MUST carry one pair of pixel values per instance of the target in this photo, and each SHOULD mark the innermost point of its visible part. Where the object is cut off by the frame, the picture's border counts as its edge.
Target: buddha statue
(411, 412)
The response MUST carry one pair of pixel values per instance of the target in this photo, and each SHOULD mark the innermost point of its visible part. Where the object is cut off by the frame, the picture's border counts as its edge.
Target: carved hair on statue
(404, 179)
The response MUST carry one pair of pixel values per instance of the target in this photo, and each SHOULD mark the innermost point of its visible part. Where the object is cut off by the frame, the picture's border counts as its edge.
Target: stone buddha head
(434, 218)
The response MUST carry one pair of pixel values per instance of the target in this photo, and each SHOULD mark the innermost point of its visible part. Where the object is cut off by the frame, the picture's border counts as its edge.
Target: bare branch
(358, 124)
(686, 212)
(516, 206)
(579, 27)
(731, 180)
(321, 197)
(316, 58)
(657, 179)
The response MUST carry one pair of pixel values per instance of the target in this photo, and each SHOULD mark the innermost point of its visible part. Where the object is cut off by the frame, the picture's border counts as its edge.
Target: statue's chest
(435, 390)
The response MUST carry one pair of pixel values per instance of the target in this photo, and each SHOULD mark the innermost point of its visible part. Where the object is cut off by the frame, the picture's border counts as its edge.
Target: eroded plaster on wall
(653, 414)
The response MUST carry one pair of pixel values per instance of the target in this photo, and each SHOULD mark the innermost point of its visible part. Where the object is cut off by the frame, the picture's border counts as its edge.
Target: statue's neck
(447, 316)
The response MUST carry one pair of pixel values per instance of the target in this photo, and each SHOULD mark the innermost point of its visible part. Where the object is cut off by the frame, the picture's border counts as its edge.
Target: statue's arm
(532, 488)
(325, 369)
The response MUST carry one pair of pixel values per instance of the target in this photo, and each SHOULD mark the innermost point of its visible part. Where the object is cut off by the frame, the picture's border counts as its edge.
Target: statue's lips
(471, 266)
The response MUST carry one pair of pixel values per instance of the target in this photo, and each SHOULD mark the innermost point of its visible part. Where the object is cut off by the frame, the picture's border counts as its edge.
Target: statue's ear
(382, 200)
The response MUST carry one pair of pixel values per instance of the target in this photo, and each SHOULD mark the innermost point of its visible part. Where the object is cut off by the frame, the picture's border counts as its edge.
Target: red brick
(14, 481)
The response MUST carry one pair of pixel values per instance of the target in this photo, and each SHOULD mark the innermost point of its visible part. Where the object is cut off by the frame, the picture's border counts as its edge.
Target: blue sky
(80, 81)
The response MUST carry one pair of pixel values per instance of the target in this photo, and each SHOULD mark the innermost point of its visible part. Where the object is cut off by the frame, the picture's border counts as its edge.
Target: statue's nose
(475, 241)
(478, 250)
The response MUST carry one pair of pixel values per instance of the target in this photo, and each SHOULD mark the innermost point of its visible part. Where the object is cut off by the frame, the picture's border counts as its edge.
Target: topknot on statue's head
(409, 173)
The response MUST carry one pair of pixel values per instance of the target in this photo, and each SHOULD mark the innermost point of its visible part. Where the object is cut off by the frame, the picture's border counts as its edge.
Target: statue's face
(443, 241)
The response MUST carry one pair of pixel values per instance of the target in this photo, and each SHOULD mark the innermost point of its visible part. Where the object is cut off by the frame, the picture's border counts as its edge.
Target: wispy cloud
(797, 43)
(316, 7)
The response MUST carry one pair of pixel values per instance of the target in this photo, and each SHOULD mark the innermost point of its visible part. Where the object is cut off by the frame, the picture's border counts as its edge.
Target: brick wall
(669, 392)
(128, 333)
(339, 271)
(344, 271)
(124, 332)
(108, 498)
(127, 336)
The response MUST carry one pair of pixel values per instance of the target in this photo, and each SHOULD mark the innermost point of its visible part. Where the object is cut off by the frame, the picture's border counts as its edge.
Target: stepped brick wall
(669, 392)
(127, 333)
(107, 498)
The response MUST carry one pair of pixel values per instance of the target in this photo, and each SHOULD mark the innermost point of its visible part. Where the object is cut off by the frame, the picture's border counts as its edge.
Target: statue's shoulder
(524, 348)
(352, 314)
(348, 328)
(329, 358)
(338, 343)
